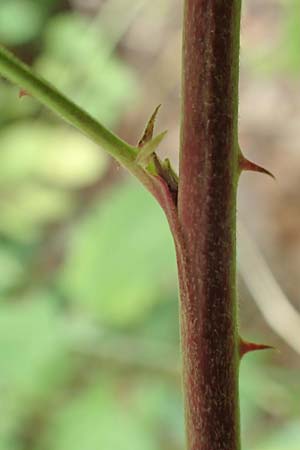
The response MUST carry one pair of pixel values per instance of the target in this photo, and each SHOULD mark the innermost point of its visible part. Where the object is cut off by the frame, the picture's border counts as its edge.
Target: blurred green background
(89, 341)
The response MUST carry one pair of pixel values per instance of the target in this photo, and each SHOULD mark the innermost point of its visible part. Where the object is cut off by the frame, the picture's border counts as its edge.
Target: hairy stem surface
(207, 217)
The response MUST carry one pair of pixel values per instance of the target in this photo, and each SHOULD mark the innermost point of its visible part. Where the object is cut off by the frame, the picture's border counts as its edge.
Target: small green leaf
(144, 156)
(148, 133)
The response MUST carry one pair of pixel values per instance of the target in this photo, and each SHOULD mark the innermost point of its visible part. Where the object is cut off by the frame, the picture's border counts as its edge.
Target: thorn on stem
(246, 347)
(245, 164)
(23, 93)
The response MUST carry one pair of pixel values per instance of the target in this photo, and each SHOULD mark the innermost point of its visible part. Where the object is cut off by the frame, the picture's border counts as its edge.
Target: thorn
(245, 164)
(246, 347)
(148, 133)
(23, 93)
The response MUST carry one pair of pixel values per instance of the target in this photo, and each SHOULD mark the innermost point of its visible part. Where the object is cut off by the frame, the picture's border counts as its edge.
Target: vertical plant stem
(207, 216)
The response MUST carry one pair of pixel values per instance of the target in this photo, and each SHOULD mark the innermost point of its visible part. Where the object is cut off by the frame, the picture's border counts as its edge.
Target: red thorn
(246, 347)
(23, 93)
(245, 164)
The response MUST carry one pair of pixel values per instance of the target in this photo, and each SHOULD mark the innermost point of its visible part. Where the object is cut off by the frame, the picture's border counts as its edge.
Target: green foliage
(287, 438)
(33, 360)
(20, 20)
(78, 53)
(38, 163)
(119, 279)
(284, 57)
(98, 418)
(290, 49)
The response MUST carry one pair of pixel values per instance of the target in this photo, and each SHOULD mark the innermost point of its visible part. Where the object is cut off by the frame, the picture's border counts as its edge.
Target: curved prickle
(246, 347)
(245, 164)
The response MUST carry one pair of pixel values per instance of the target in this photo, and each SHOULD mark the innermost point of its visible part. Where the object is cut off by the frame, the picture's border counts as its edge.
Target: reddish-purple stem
(206, 213)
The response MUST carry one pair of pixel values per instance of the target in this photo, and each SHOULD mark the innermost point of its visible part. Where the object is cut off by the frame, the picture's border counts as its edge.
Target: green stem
(20, 74)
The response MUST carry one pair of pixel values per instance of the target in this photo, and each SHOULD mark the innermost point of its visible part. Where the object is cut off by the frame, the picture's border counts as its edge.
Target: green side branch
(140, 160)
(19, 73)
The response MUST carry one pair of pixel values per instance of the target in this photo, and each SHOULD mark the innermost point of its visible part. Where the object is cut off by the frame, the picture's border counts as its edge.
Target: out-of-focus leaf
(76, 59)
(36, 162)
(27, 209)
(285, 438)
(20, 20)
(252, 397)
(285, 56)
(33, 354)
(263, 391)
(290, 50)
(71, 160)
(58, 155)
(122, 258)
(164, 414)
(36, 329)
(10, 268)
(99, 417)
(163, 321)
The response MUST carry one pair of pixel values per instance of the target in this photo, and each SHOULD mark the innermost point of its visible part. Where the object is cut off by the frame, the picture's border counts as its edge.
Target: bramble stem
(201, 214)
(207, 216)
